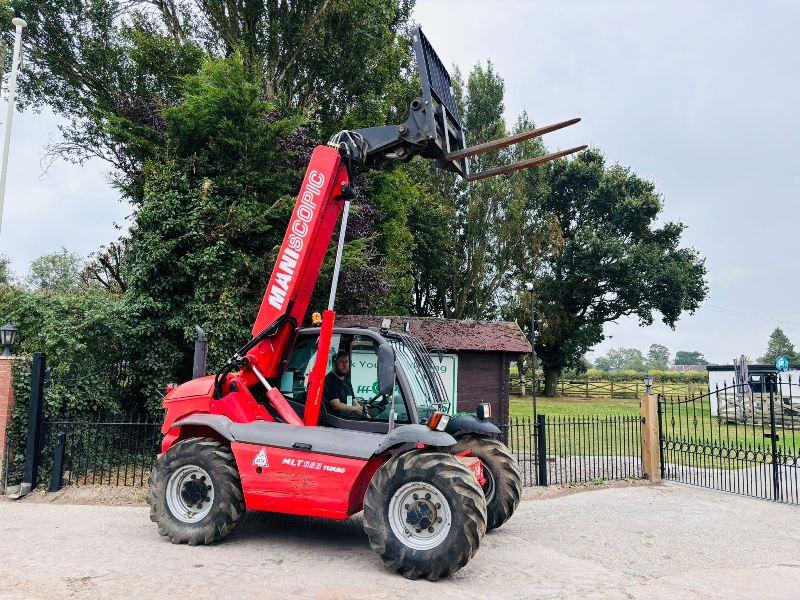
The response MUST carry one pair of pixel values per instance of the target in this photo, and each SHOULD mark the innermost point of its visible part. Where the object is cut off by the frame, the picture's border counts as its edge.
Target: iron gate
(737, 438)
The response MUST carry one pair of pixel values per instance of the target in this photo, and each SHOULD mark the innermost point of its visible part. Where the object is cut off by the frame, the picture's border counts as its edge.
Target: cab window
(361, 382)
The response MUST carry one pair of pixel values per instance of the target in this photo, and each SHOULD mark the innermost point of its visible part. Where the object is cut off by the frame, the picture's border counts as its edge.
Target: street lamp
(529, 287)
(8, 335)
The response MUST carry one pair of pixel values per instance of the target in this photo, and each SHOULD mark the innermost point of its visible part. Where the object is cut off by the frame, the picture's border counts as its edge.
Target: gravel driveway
(663, 541)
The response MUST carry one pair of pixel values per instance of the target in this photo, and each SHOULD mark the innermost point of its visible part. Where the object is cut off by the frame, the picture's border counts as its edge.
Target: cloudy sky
(700, 97)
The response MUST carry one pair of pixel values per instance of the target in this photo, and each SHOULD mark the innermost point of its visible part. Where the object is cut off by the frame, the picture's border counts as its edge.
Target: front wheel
(195, 493)
(503, 487)
(424, 514)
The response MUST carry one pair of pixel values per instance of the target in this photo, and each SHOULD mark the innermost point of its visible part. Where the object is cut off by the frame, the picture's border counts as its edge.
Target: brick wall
(6, 401)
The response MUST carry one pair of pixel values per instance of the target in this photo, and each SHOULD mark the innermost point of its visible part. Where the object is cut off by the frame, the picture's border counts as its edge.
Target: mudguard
(219, 423)
(470, 423)
(413, 434)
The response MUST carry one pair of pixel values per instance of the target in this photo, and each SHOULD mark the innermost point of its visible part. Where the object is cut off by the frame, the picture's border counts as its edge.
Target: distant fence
(612, 389)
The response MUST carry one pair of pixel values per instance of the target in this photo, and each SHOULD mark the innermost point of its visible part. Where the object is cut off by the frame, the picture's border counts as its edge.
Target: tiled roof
(451, 334)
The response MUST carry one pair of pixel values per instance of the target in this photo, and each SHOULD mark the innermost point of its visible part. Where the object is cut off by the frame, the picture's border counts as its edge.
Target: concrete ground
(662, 541)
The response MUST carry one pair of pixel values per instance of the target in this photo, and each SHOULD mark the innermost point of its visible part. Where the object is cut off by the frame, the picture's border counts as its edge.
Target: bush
(84, 335)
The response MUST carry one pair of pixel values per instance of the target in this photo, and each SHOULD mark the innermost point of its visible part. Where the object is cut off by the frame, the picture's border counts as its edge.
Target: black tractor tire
(504, 490)
(225, 504)
(444, 475)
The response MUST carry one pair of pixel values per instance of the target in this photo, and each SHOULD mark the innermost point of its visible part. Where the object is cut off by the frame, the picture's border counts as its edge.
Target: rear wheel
(424, 514)
(195, 492)
(503, 487)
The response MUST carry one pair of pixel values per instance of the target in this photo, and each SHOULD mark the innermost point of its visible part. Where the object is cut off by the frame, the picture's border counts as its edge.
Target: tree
(5, 271)
(779, 345)
(56, 272)
(621, 359)
(611, 261)
(212, 216)
(602, 363)
(123, 63)
(690, 357)
(471, 237)
(658, 357)
(106, 267)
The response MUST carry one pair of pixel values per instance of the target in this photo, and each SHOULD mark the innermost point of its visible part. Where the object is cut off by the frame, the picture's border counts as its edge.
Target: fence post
(541, 451)
(58, 463)
(771, 380)
(651, 443)
(32, 446)
(200, 353)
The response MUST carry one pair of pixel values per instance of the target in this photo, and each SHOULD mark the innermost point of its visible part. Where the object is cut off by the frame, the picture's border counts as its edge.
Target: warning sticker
(261, 459)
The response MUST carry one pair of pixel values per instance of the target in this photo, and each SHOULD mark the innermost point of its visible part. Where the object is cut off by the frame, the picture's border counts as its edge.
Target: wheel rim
(419, 515)
(190, 494)
(488, 487)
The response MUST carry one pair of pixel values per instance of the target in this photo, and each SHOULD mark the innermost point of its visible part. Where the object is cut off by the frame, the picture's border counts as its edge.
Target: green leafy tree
(111, 67)
(602, 363)
(213, 212)
(470, 238)
(56, 272)
(5, 270)
(611, 260)
(658, 357)
(690, 357)
(621, 359)
(779, 344)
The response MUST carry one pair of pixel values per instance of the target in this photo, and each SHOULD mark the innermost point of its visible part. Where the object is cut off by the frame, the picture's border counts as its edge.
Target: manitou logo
(295, 241)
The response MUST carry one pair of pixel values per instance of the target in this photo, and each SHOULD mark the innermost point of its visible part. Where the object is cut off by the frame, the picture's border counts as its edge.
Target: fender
(414, 434)
(219, 423)
(469, 423)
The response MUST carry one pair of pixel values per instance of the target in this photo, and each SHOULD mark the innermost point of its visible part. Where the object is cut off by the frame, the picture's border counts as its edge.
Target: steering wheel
(374, 407)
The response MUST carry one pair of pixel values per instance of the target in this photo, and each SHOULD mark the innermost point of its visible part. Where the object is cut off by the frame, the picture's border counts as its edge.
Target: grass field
(568, 406)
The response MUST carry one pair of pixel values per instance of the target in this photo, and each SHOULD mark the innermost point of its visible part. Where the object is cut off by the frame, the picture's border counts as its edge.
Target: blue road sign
(782, 363)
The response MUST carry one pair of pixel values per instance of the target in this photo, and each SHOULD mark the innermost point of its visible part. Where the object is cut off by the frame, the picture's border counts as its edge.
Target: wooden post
(650, 437)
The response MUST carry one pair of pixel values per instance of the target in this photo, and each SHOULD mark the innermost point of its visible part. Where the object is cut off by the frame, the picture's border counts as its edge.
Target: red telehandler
(259, 435)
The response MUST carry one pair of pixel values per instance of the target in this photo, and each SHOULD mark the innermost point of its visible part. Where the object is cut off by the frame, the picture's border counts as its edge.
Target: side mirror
(385, 369)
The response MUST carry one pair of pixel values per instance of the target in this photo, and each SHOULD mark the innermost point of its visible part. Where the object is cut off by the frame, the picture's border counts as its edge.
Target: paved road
(665, 541)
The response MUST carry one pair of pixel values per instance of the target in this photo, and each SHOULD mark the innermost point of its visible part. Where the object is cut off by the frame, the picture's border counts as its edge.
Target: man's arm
(341, 407)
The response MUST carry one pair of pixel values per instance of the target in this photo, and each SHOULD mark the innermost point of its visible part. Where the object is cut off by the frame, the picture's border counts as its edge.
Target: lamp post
(529, 287)
(16, 55)
(648, 384)
(8, 335)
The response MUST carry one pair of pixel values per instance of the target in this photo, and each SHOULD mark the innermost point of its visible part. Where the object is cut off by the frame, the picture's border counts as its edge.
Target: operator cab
(416, 396)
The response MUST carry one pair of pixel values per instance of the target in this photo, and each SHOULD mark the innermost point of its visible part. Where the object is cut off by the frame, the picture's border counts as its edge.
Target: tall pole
(12, 94)
(529, 285)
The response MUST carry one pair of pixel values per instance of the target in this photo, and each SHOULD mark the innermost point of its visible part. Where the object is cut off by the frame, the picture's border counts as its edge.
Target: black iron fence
(108, 451)
(566, 450)
(735, 439)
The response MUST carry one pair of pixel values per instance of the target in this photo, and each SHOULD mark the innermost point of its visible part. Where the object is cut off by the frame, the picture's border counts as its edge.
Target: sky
(699, 97)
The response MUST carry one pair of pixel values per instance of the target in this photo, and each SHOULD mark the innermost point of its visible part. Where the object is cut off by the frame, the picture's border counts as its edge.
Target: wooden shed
(476, 355)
